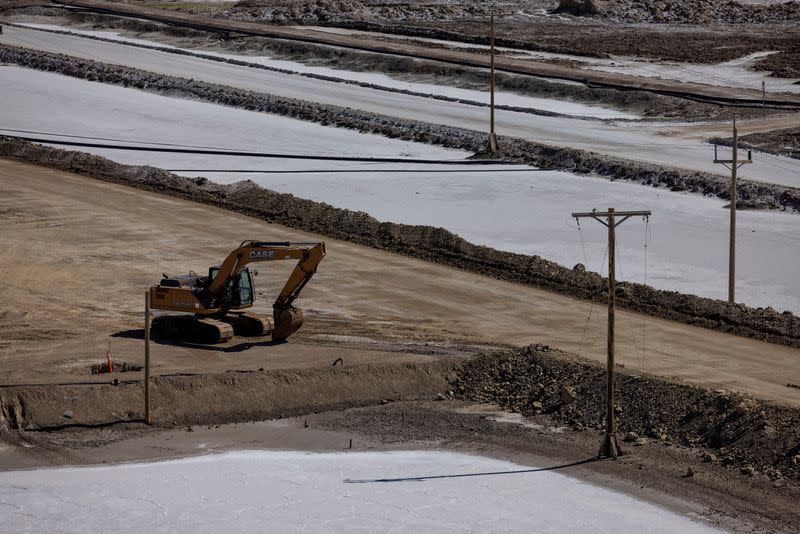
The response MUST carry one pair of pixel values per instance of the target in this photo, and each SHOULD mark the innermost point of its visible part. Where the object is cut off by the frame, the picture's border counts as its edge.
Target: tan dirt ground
(79, 255)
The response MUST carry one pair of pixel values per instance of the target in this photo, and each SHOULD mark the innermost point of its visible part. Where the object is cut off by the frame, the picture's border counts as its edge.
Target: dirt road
(79, 254)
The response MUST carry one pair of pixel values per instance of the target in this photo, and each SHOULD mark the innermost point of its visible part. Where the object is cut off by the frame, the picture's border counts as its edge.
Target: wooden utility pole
(733, 164)
(147, 418)
(610, 446)
(492, 136)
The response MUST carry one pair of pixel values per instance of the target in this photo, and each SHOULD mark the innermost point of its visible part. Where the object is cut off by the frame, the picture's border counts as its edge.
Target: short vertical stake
(147, 418)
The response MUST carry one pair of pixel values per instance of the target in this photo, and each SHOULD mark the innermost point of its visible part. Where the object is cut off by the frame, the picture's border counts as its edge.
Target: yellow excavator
(215, 306)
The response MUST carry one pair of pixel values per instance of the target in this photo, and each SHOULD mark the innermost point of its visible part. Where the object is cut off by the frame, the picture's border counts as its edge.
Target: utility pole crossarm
(643, 213)
(739, 162)
(599, 216)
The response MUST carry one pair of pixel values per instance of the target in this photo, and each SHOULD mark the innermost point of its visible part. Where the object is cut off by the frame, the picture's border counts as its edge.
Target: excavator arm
(309, 254)
(300, 276)
(286, 318)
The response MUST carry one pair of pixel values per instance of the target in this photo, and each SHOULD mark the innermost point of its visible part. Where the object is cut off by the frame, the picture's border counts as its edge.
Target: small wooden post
(147, 418)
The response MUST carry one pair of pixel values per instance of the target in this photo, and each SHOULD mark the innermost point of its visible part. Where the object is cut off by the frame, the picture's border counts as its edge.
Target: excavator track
(249, 324)
(191, 329)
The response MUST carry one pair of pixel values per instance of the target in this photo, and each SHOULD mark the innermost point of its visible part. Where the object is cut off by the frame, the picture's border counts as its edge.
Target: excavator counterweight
(214, 306)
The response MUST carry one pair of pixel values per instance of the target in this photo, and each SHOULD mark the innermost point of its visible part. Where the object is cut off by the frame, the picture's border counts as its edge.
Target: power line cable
(268, 155)
(351, 171)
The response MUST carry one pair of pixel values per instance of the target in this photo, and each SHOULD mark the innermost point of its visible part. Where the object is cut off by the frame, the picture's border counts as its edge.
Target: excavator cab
(241, 289)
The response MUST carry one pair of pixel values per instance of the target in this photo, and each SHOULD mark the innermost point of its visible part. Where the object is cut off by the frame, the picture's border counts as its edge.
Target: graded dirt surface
(79, 255)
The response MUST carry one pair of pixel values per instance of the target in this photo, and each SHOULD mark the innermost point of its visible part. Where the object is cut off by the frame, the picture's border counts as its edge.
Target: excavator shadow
(138, 333)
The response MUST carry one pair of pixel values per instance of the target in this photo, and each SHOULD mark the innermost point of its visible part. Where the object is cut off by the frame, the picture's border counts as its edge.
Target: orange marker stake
(108, 358)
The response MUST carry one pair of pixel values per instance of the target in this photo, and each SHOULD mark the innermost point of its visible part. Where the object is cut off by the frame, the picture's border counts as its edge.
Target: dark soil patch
(781, 64)
(683, 11)
(697, 31)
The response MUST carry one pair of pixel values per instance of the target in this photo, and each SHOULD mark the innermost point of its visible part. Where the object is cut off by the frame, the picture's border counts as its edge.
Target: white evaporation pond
(45, 102)
(502, 98)
(737, 73)
(286, 491)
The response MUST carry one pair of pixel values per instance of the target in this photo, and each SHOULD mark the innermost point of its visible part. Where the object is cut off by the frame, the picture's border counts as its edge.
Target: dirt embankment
(784, 142)
(755, 436)
(428, 243)
(683, 11)
(781, 64)
(751, 194)
(233, 396)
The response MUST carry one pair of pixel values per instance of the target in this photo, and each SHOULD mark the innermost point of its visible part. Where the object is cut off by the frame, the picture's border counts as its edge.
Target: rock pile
(728, 428)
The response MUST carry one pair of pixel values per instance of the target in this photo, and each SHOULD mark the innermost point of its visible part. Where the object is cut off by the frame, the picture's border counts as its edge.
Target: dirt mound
(425, 242)
(234, 396)
(581, 7)
(755, 436)
(334, 11)
(781, 64)
(683, 11)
